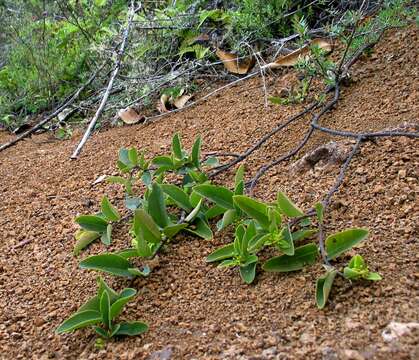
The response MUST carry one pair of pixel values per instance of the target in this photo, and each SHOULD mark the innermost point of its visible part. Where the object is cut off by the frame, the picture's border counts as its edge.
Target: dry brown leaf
(292, 58)
(163, 104)
(130, 116)
(233, 64)
(180, 101)
(323, 44)
(167, 103)
(201, 38)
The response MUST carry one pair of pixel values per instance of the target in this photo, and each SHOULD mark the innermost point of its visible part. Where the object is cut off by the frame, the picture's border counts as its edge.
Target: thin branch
(341, 176)
(264, 139)
(55, 112)
(110, 84)
(367, 134)
(221, 154)
(263, 169)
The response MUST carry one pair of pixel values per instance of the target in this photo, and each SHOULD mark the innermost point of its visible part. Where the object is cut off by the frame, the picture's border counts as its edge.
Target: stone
(396, 330)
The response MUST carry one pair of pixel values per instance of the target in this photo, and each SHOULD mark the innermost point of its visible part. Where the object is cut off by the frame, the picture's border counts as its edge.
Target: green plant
(238, 253)
(102, 309)
(266, 227)
(358, 269)
(96, 226)
(294, 96)
(51, 47)
(152, 226)
(336, 244)
(270, 225)
(223, 198)
(63, 133)
(166, 209)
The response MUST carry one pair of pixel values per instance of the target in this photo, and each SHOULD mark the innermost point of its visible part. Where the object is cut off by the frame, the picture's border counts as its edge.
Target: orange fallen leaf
(304, 52)
(201, 37)
(130, 116)
(180, 101)
(168, 103)
(235, 65)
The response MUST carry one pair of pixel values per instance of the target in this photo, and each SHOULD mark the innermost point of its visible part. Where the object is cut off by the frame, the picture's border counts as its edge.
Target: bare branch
(110, 84)
(55, 112)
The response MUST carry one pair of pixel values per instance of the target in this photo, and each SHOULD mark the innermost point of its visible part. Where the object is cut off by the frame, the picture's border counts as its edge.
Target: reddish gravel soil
(195, 310)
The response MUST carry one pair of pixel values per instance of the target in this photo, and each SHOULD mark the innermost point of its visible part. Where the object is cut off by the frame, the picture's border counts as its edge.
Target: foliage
(153, 224)
(353, 30)
(51, 49)
(102, 309)
(358, 269)
(96, 226)
(177, 197)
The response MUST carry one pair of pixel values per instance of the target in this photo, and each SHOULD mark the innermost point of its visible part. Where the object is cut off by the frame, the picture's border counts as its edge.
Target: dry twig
(55, 112)
(110, 84)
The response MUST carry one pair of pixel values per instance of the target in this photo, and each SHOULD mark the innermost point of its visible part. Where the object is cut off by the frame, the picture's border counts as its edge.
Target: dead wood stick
(109, 87)
(54, 113)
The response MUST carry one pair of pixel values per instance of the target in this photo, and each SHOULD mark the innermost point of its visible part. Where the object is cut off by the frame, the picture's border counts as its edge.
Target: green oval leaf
(373, 276)
(157, 206)
(108, 263)
(287, 207)
(338, 243)
(248, 272)
(79, 320)
(163, 161)
(303, 256)
(132, 328)
(222, 253)
(92, 223)
(133, 156)
(106, 237)
(211, 161)
(253, 208)
(214, 211)
(177, 146)
(286, 244)
(319, 211)
(110, 212)
(105, 309)
(124, 297)
(83, 239)
(196, 152)
(323, 287)
(145, 227)
(123, 157)
(179, 197)
(217, 194)
(239, 177)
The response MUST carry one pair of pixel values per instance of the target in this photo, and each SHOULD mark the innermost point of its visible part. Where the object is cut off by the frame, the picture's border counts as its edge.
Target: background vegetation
(49, 48)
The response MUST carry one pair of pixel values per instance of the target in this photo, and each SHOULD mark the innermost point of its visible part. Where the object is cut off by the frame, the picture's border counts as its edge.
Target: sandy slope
(196, 311)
